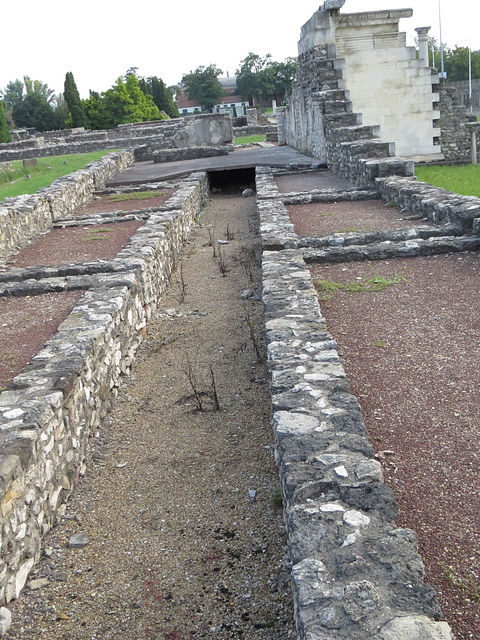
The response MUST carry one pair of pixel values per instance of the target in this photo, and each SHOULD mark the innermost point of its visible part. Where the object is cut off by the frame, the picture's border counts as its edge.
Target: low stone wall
(188, 153)
(435, 204)
(254, 130)
(204, 129)
(355, 574)
(24, 217)
(50, 409)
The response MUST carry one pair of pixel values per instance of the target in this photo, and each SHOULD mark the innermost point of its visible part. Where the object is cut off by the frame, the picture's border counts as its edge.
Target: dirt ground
(180, 506)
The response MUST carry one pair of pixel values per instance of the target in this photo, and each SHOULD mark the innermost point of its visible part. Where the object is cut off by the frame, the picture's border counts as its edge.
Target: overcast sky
(98, 40)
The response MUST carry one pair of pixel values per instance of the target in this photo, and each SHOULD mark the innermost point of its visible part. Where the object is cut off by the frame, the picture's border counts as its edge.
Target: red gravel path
(412, 355)
(26, 324)
(340, 217)
(77, 244)
(103, 204)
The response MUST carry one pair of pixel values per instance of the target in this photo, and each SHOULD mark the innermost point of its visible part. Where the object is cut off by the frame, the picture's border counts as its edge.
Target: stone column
(252, 117)
(282, 134)
(473, 127)
(423, 44)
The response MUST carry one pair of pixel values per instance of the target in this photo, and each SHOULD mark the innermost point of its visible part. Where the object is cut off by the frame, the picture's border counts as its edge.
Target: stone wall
(24, 217)
(366, 55)
(50, 409)
(205, 129)
(253, 130)
(455, 138)
(463, 88)
(355, 574)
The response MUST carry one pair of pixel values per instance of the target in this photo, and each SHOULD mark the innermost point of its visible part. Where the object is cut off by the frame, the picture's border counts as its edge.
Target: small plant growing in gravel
(183, 284)
(222, 261)
(229, 233)
(374, 284)
(468, 586)
(199, 397)
(276, 499)
(380, 344)
(253, 336)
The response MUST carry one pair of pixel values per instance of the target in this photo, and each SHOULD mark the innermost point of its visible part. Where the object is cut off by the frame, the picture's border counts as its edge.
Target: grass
(464, 180)
(47, 170)
(348, 230)
(139, 195)
(369, 285)
(250, 139)
(466, 586)
(276, 499)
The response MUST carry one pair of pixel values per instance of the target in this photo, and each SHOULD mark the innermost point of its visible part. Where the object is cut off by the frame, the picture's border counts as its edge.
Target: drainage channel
(176, 530)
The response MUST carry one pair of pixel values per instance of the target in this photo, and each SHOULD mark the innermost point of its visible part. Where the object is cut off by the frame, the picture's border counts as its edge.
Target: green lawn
(464, 180)
(44, 173)
(250, 139)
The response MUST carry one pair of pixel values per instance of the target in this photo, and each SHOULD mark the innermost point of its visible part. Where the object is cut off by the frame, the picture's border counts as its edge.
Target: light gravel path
(185, 539)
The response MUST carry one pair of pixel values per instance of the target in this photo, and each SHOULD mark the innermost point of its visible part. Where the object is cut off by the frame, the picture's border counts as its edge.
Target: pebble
(77, 541)
(39, 583)
(5, 621)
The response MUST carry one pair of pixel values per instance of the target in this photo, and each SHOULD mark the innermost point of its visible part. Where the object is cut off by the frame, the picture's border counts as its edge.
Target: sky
(98, 40)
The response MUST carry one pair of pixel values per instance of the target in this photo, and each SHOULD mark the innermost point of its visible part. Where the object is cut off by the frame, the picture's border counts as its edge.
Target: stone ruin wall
(24, 217)
(321, 108)
(455, 138)
(145, 138)
(48, 412)
(355, 574)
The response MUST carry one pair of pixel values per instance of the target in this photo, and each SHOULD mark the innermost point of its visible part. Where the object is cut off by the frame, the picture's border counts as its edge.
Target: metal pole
(470, 77)
(442, 75)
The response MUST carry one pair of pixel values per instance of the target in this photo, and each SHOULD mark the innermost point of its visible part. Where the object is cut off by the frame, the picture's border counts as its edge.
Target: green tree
(284, 75)
(94, 110)
(37, 87)
(203, 85)
(4, 130)
(161, 96)
(77, 113)
(13, 93)
(124, 102)
(457, 63)
(34, 111)
(259, 77)
(250, 76)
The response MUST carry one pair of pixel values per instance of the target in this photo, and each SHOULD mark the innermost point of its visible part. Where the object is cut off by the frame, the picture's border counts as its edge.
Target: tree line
(132, 98)
(30, 103)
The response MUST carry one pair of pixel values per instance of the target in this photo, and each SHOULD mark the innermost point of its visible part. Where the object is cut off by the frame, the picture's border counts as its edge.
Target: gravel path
(179, 506)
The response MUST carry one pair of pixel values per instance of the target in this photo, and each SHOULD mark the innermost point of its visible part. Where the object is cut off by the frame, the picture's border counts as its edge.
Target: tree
(203, 85)
(39, 88)
(34, 111)
(13, 93)
(4, 130)
(124, 102)
(284, 75)
(161, 96)
(250, 76)
(77, 113)
(259, 77)
(457, 63)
